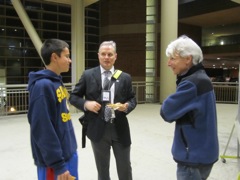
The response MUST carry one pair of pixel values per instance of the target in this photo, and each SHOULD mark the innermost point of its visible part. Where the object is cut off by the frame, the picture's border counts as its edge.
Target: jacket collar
(192, 70)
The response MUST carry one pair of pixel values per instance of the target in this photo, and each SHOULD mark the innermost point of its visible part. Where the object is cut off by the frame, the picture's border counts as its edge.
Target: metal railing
(226, 92)
(14, 98)
(146, 92)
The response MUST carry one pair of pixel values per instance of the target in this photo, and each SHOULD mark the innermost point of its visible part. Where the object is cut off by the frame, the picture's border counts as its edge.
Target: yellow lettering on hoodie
(66, 117)
(61, 93)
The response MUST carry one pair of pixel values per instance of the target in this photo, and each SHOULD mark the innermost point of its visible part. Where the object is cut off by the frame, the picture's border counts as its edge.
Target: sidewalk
(151, 147)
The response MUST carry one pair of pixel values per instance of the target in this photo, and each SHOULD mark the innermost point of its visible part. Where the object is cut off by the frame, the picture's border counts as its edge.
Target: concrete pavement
(151, 147)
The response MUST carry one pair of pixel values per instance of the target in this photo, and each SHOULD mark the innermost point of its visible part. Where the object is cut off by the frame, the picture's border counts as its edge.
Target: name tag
(106, 96)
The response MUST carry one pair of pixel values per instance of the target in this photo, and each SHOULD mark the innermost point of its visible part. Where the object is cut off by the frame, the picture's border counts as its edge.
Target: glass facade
(18, 55)
(92, 40)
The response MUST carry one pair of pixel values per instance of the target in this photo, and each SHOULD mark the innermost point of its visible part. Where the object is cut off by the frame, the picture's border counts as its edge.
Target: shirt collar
(102, 70)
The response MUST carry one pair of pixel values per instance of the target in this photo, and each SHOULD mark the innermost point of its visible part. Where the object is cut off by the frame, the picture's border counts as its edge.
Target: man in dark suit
(118, 98)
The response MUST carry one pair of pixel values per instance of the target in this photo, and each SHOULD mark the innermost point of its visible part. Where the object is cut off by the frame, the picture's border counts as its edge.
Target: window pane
(49, 17)
(13, 22)
(65, 18)
(33, 15)
(50, 7)
(11, 12)
(64, 27)
(15, 32)
(63, 9)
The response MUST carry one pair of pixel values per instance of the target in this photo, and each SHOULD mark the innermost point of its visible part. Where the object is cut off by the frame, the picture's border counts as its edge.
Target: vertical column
(78, 39)
(151, 46)
(169, 32)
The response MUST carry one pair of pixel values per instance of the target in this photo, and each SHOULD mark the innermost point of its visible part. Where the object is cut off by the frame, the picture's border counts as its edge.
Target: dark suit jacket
(89, 87)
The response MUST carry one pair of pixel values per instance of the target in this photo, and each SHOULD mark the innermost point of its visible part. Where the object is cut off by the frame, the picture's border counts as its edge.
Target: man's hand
(65, 176)
(92, 106)
(119, 106)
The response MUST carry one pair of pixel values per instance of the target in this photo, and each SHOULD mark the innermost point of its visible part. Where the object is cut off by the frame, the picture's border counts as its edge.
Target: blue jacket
(53, 139)
(193, 108)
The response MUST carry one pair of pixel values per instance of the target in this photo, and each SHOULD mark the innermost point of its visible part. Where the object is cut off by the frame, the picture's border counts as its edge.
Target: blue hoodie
(53, 139)
(193, 108)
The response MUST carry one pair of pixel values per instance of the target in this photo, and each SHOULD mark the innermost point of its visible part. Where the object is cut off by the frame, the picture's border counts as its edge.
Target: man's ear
(54, 56)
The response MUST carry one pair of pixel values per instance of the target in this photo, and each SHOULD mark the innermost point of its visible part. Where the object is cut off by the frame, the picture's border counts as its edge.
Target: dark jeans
(193, 173)
(102, 152)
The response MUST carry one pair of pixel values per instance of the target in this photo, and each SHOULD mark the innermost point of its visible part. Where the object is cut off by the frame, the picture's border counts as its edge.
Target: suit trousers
(102, 153)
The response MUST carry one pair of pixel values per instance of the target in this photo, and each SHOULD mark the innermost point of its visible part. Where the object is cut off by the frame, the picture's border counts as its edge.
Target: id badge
(106, 96)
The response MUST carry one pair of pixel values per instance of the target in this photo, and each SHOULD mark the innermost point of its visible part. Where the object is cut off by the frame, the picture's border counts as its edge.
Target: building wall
(123, 21)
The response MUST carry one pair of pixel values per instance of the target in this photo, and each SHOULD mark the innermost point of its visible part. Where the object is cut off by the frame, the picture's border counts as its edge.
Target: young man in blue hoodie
(193, 109)
(53, 141)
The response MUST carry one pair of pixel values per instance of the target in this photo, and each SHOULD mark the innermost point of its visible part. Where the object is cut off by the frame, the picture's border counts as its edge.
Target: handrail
(14, 97)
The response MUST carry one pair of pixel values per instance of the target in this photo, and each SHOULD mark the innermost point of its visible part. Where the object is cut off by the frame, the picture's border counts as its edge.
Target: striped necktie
(106, 86)
(106, 81)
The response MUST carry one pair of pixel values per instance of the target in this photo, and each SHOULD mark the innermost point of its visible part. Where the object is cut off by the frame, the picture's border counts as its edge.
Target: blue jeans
(193, 173)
